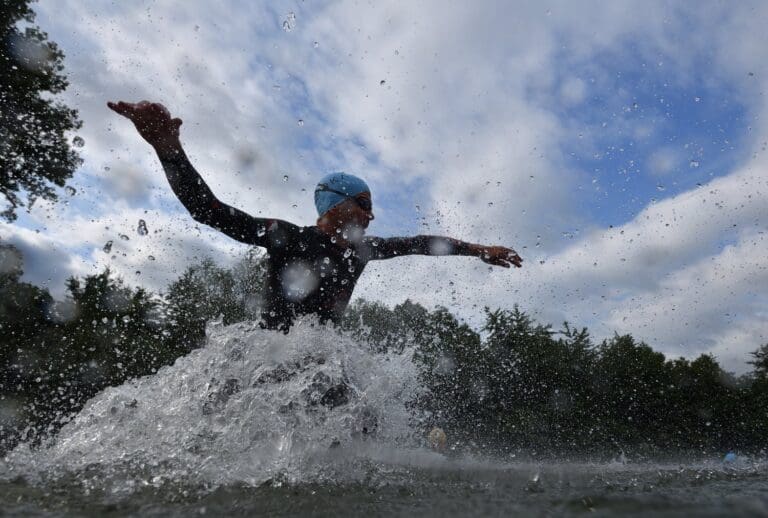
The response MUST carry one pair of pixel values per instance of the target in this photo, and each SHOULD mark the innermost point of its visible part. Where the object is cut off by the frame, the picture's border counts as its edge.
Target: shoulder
(278, 232)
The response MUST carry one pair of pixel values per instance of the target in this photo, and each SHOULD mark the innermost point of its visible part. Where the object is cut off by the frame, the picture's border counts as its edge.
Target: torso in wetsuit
(307, 271)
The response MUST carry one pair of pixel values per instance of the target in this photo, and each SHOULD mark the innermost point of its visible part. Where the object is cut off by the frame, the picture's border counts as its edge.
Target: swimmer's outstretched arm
(155, 125)
(387, 248)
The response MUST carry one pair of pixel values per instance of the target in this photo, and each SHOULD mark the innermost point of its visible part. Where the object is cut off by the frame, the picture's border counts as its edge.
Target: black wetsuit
(307, 272)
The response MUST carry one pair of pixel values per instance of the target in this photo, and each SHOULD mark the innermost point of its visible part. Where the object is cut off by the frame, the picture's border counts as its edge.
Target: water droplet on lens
(694, 163)
(660, 187)
(142, 228)
(490, 204)
(107, 247)
(285, 177)
(70, 190)
(316, 44)
(383, 81)
(151, 257)
(290, 22)
(78, 141)
(300, 122)
(123, 237)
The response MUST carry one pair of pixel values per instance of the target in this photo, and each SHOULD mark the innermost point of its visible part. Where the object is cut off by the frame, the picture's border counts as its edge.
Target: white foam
(242, 409)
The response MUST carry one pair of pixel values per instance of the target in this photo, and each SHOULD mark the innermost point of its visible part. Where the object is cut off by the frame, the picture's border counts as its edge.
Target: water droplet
(107, 168)
(660, 188)
(107, 247)
(138, 272)
(285, 177)
(316, 44)
(490, 204)
(697, 99)
(326, 260)
(290, 22)
(347, 252)
(142, 228)
(197, 28)
(78, 141)
(694, 163)
(261, 231)
(151, 257)
(383, 81)
(123, 237)
(70, 190)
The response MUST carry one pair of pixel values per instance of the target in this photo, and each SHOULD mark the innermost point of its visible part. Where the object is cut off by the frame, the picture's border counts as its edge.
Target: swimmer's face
(351, 217)
(351, 213)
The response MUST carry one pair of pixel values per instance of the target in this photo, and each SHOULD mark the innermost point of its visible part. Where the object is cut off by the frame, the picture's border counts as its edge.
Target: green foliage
(525, 387)
(34, 151)
(205, 292)
(760, 362)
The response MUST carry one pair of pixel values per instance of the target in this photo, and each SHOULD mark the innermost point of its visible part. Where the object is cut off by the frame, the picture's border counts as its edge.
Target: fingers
(121, 107)
(141, 108)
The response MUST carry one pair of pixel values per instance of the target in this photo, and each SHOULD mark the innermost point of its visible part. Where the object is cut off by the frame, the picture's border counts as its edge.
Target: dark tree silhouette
(35, 154)
(760, 362)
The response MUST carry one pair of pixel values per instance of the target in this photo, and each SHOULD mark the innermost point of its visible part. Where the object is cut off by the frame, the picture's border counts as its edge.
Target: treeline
(518, 386)
(524, 387)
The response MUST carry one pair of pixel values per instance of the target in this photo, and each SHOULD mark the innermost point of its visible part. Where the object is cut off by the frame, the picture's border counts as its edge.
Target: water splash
(250, 406)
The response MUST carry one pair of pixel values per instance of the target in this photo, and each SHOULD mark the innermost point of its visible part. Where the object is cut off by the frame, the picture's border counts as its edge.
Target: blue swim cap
(345, 183)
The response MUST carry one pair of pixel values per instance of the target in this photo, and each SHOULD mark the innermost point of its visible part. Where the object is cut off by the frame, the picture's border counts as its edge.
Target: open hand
(500, 256)
(152, 120)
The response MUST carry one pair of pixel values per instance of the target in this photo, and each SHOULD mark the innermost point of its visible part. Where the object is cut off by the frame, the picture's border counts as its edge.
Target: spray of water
(251, 406)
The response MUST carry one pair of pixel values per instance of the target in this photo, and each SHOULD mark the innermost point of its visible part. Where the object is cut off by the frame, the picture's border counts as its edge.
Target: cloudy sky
(620, 147)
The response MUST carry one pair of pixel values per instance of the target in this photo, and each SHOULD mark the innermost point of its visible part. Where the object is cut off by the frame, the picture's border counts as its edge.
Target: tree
(35, 154)
(205, 291)
(760, 362)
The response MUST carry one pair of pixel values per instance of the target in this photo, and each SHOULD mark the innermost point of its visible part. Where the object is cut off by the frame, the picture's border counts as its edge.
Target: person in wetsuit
(310, 269)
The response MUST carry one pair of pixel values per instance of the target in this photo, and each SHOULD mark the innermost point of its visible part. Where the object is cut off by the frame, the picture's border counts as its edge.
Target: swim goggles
(363, 203)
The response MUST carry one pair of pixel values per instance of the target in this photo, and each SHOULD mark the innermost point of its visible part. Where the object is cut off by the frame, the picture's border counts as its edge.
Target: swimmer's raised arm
(155, 124)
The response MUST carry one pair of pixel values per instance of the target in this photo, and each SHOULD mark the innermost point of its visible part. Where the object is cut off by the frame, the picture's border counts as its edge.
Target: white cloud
(467, 113)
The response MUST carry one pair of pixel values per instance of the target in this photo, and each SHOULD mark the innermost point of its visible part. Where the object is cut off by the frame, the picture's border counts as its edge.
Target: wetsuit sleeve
(387, 248)
(205, 208)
